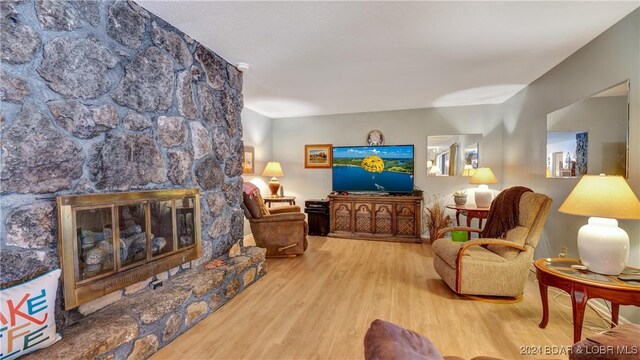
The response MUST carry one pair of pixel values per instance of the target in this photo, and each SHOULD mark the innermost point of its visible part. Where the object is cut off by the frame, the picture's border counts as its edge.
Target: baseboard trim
(599, 306)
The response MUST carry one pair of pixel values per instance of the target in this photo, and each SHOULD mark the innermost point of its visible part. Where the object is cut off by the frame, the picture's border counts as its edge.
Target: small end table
(281, 199)
(583, 285)
(471, 212)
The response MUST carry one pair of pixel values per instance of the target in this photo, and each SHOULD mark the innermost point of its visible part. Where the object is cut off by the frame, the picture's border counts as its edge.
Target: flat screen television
(373, 169)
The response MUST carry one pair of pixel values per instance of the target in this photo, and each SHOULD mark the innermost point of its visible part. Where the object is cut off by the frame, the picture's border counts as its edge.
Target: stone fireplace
(103, 97)
(110, 241)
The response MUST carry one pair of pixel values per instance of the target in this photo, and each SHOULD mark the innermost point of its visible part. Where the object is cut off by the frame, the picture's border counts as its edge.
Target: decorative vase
(460, 200)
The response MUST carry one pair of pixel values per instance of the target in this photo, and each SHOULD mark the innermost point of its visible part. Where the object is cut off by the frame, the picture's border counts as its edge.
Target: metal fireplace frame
(78, 291)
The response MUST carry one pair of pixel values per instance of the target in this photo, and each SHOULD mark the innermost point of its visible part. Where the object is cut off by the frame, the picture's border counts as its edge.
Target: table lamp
(435, 171)
(603, 246)
(481, 177)
(273, 169)
(468, 170)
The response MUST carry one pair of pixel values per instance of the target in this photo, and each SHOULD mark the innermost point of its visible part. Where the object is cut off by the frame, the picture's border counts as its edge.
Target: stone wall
(131, 329)
(103, 96)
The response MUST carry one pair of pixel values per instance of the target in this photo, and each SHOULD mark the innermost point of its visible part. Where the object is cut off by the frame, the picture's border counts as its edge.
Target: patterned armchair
(493, 267)
(281, 230)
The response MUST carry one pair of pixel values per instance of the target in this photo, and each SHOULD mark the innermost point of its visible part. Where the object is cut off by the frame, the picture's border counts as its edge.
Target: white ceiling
(313, 58)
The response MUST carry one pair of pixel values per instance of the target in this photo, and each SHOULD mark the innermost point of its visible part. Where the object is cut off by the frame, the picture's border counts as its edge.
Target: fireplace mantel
(110, 241)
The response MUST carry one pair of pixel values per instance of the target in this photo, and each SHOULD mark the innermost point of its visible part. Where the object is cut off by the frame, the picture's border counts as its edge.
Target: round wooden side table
(583, 285)
(471, 212)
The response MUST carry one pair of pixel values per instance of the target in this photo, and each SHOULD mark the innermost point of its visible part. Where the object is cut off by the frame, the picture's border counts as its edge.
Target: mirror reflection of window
(453, 155)
(471, 156)
(567, 153)
(443, 163)
(590, 136)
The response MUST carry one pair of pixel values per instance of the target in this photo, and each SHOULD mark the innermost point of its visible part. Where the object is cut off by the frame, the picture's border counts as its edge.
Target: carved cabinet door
(406, 220)
(383, 219)
(363, 218)
(342, 216)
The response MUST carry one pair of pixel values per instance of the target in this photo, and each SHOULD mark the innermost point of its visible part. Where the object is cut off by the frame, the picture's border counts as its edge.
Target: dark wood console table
(583, 285)
(371, 217)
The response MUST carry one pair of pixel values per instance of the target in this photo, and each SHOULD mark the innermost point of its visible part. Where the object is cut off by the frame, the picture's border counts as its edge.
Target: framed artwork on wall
(248, 166)
(317, 156)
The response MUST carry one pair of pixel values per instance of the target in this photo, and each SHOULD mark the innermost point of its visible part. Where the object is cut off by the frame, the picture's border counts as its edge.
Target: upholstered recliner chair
(281, 230)
(493, 266)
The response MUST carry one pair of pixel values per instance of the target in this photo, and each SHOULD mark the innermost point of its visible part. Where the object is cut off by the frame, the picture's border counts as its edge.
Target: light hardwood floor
(319, 306)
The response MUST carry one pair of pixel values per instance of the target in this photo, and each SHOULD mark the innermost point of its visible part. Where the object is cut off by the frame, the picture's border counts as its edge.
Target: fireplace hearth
(110, 241)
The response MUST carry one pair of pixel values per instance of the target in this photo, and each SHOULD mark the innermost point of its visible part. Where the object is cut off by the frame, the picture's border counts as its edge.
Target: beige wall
(611, 58)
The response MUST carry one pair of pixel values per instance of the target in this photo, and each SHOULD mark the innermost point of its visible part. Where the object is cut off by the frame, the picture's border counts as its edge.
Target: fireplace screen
(109, 241)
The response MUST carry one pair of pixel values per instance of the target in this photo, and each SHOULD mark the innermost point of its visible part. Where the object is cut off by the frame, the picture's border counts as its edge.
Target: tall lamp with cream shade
(602, 245)
(483, 177)
(468, 170)
(273, 169)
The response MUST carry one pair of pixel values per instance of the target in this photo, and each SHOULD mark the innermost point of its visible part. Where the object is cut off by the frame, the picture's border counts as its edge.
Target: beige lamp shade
(483, 175)
(435, 171)
(274, 169)
(468, 170)
(602, 196)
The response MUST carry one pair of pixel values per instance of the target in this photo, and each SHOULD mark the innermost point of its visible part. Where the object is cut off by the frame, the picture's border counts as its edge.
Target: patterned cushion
(27, 314)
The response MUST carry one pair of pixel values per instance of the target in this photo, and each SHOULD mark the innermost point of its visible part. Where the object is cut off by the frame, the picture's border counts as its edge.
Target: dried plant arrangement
(434, 216)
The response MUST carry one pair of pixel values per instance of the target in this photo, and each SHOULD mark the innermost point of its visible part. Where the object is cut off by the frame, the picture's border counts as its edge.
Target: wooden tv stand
(376, 217)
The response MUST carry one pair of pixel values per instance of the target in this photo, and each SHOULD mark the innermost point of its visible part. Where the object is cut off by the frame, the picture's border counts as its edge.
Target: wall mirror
(590, 136)
(453, 155)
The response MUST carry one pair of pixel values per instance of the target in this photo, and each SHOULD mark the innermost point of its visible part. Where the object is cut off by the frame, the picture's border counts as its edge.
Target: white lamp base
(483, 196)
(603, 246)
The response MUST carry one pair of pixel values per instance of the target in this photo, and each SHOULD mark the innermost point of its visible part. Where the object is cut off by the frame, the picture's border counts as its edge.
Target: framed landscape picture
(248, 166)
(317, 156)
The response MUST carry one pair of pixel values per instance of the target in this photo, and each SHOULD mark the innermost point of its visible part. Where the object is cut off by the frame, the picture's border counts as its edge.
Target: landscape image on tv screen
(373, 168)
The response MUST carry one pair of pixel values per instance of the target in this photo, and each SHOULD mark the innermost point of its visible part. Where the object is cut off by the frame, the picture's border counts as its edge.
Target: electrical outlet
(563, 253)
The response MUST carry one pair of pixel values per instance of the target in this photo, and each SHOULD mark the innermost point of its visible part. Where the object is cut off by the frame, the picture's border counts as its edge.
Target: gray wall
(399, 128)
(257, 133)
(611, 58)
(605, 119)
